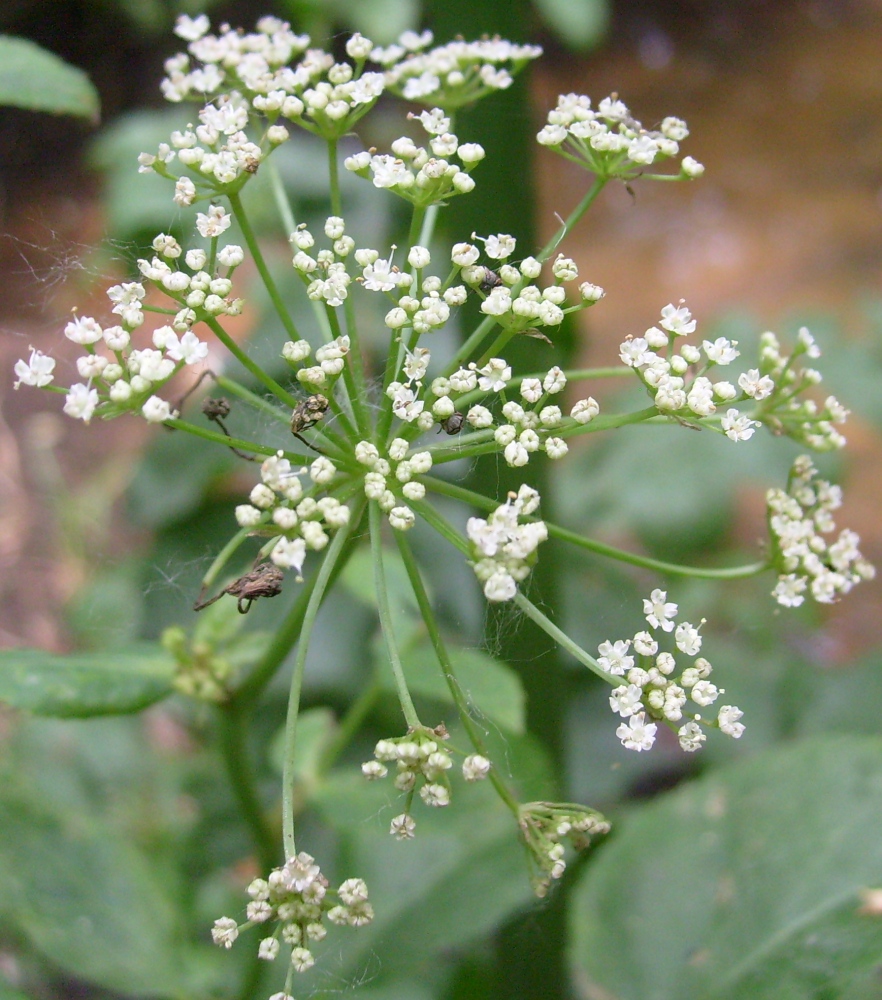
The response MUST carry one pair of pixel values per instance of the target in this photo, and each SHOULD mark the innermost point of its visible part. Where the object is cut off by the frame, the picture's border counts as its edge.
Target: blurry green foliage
(37, 80)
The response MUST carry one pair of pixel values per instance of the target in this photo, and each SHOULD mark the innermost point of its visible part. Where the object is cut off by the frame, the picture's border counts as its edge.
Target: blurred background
(784, 104)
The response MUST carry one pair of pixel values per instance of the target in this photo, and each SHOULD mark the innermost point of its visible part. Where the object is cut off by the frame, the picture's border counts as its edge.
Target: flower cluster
(785, 411)
(330, 358)
(679, 385)
(296, 898)
(298, 520)
(546, 825)
(422, 759)
(393, 475)
(799, 517)
(504, 549)
(422, 176)
(451, 75)
(652, 692)
(609, 141)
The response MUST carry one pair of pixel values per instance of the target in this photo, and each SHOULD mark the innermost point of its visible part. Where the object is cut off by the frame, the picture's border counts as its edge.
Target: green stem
(323, 579)
(263, 270)
(246, 395)
(283, 640)
(223, 557)
(562, 639)
(234, 748)
(481, 502)
(230, 442)
(530, 609)
(385, 613)
(572, 218)
(673, 569)
(444, 660)
(483, 442)
(251, 366)
(280, 196)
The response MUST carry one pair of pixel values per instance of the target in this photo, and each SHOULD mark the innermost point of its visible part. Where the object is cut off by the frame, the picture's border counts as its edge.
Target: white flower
(637, 734)
(756, 386)
(475, 767)
(301, 959)
(289, 553)
(691, 736)
(499, 247)
(191, 28)
(80, 402)
(614, 656)
(35, 371)
(214, 222)
(721, 351)
(728, 721)
(83, 330)
(738, 426)
(156, 410)
(224, 932)
(626, 700)
(691, 167)
(677, 320)
(495, 375)
(403, 827)
(268, 949)
(659, 611)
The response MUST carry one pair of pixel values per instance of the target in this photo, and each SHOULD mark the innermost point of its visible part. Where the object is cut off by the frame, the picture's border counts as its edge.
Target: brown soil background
(785, 110)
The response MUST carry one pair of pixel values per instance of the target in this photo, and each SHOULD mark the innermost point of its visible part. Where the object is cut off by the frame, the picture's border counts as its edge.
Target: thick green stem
(234, 748)
(263, 270)
(323, 579)
(446, 664)
(385, 614)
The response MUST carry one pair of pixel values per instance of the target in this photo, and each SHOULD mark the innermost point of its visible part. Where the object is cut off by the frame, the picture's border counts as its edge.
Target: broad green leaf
(491, 687)
(579, 24)
(87, 899)
(752, 882)
(84, 684)
(37, 80)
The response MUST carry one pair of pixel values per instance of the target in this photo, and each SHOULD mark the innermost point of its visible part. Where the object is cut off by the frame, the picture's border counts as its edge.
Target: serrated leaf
(489, 685)
(84, 684)
(87, 899)
(37, 80)
(752, 882)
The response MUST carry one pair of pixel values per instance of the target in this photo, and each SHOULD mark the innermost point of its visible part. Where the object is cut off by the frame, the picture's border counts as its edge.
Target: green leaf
(84, 684)
(87, 899)
(579, 24)
(751, 882)
(492, 687)
(37, 80)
